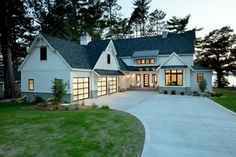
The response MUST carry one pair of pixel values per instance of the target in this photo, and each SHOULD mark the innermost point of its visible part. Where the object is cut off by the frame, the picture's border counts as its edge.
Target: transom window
(31, 84)
(80, 88)
(174, 77)
(145, 61)
(43, 53)
(200, 77)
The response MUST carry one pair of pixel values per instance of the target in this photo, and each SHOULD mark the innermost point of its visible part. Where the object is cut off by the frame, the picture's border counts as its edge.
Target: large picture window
(174, 77)
(80, 88)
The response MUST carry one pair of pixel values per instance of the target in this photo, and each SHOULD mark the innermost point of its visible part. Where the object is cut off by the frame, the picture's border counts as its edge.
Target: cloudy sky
(208, 14)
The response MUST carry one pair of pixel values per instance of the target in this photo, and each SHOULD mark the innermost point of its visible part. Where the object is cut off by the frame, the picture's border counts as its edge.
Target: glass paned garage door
(102, 86)
(113, 84)
(80, 88)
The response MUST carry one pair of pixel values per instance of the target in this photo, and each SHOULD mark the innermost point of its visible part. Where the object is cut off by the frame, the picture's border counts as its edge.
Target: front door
(146, 80)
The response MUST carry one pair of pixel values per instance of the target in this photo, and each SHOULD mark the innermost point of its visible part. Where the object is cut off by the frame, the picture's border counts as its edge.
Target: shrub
(165, 92)
(181, 93)
(94, 106)
(173, 92)
(196, 93)
(38, 100)
(216, 94)
(105, 107)
(58, 91)
(202, 85)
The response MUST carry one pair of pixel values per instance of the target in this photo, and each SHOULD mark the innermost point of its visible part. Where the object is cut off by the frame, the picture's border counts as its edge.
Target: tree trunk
(9, 83)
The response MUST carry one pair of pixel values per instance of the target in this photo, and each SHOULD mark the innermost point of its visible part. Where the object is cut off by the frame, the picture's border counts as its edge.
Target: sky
(206, 14)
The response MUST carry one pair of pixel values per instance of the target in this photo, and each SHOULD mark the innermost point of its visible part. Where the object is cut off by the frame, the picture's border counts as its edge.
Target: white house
(93, 69)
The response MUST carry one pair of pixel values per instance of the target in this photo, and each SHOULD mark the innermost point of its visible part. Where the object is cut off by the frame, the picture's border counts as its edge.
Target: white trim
(174, 54)
(47, 44)
(78, 69)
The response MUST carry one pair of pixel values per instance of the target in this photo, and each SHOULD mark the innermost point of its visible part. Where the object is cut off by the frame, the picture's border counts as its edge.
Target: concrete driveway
(178, 126)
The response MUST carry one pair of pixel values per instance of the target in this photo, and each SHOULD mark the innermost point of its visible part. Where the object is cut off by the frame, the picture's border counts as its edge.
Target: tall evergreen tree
(216, 51)
(16, 29)
(178, 25)
(141, 12)
(155, 20)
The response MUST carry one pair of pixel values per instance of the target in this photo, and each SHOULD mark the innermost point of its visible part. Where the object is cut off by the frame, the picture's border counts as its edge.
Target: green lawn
(228, 99)
(25, 131)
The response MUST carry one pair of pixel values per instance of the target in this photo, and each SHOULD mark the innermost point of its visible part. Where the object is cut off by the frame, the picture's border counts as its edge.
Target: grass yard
(228, 99)
(26, 132)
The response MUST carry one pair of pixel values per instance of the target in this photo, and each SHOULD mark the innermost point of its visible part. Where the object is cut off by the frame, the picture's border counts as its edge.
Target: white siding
(43, 72)
(173, 60)
(206, 75)
(102, 61)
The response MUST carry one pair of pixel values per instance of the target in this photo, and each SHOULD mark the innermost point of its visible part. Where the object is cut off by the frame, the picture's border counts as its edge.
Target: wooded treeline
(21, 20)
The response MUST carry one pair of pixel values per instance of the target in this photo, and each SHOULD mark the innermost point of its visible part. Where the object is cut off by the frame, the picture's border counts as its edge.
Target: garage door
(113, 84)
(102, 86)
(80, 88)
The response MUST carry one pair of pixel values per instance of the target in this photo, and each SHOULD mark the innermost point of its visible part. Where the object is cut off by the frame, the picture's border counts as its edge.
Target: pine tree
(140, 13)
(216, 52)
(17, 30)
(155, 20)
(178, 25)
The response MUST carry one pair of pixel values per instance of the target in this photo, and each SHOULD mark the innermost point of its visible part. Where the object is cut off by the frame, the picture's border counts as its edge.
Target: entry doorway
(146, 80)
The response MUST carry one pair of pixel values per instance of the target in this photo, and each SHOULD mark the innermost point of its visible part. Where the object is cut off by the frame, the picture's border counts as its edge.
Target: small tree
(202, 85)
(58, 90)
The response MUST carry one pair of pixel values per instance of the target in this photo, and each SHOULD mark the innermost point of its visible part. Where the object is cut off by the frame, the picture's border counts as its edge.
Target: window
(102, 86)
(145, 61)
(80, 88)
(31, 84)
(108, 59)
(199, 77)
(43, 53)
(174, 77)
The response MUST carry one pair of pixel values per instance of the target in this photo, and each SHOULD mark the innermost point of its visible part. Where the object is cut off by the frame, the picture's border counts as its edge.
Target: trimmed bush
(165, 92)
(38, 99)
(196, 93)
(181, 93)
(173, 92)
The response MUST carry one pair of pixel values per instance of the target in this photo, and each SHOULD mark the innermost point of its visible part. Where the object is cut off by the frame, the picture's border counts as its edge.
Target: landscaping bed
(26, 131)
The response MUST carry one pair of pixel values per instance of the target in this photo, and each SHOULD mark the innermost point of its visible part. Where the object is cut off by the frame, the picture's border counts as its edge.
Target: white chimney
(85, 38)
(164, 34)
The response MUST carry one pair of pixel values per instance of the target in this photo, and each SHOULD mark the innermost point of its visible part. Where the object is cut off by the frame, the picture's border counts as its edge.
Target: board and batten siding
(43, 71)
(207, 75)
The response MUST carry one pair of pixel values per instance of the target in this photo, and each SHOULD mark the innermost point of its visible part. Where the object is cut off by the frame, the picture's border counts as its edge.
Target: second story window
(145, 61)
(108, 59)
(43, 53)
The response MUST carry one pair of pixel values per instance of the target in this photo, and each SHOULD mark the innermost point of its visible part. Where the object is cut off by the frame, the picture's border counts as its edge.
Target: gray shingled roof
(147, 53)
(85, 57)
(179, 43)
(74, 54)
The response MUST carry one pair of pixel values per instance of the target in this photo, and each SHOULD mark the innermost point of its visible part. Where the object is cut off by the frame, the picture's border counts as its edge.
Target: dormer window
(108, 59)
(145, 61)
(43, 53)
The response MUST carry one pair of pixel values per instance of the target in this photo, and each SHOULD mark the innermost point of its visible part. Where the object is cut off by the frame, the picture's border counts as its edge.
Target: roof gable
(74, 54)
